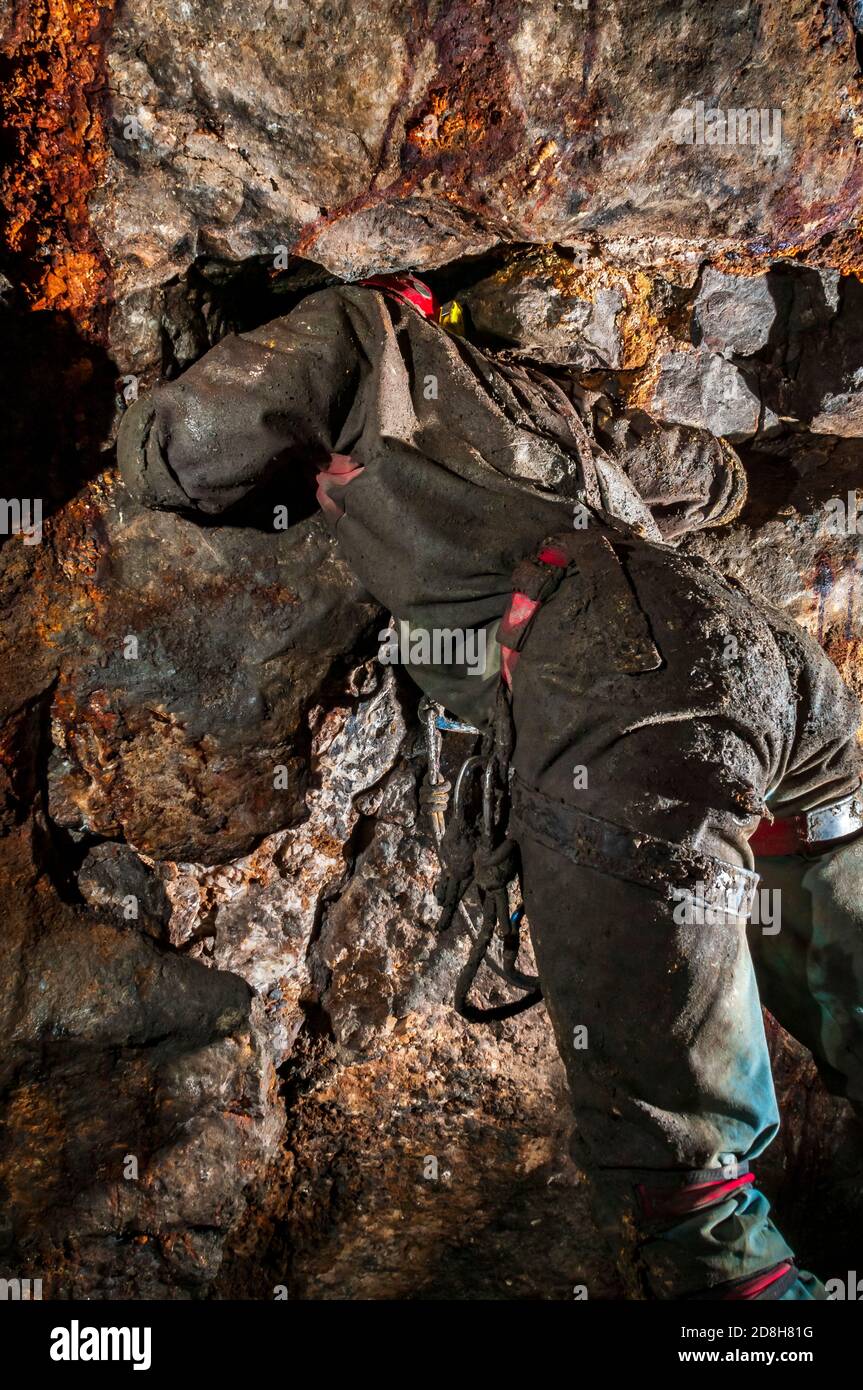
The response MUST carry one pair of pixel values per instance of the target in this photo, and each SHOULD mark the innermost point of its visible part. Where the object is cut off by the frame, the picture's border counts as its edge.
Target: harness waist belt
(796, 834)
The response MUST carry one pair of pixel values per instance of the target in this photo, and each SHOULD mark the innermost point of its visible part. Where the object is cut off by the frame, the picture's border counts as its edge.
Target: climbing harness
(475, 851)
(811, 832)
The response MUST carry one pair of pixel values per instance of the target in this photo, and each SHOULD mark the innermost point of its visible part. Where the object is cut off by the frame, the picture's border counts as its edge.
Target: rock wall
(413, 133)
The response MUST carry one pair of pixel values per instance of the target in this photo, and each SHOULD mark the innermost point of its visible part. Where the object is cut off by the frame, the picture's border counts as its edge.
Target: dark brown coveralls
(657, 711)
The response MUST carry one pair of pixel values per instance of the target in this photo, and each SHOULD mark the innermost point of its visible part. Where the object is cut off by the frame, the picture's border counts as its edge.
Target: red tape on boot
(767, 1281)
(767, 1286)
(659, 1203)
(667, 1204)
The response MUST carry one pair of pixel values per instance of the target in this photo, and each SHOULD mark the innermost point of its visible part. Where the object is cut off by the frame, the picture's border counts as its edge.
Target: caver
(706, 726)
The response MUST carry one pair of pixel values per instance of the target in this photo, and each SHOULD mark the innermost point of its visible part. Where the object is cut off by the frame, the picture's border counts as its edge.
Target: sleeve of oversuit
(687, 477)
(279, 396)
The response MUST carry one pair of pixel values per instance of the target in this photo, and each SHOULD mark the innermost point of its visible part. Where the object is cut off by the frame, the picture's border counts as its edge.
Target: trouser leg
(810, 971)
(658, 1021)
(660, 1030)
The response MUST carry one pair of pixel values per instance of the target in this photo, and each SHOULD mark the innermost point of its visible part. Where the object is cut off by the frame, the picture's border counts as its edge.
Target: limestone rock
(545, 313)
(799, 542)
(733, 314)
(196, 640)
(364, 141)
(699, 387)
(794, 334)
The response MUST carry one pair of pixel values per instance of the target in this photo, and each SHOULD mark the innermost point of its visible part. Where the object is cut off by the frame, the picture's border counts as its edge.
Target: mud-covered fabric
(810, 973)
(687, 481)
(466, 463)
(655, 1006)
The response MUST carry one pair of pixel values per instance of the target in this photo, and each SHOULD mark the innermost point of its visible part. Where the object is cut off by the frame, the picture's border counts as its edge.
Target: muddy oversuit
(660, 716)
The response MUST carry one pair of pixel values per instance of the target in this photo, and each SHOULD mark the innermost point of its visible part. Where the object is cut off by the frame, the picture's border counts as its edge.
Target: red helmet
(406, 286)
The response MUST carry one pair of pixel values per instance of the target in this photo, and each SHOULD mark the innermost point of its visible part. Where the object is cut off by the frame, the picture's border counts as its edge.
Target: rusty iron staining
(52, 83)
